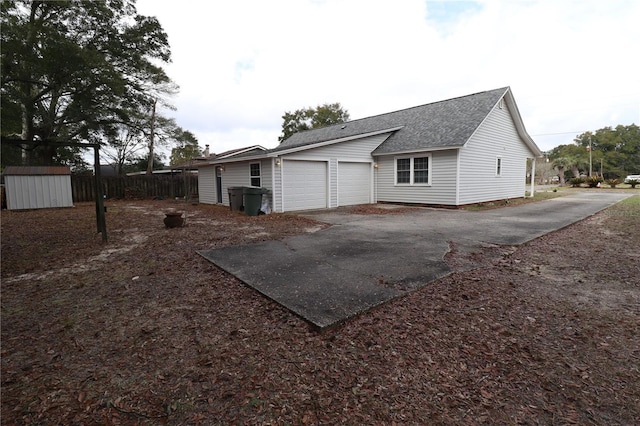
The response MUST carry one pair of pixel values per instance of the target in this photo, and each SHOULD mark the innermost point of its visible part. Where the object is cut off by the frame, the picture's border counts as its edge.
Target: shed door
(304, 185)
(354, 183)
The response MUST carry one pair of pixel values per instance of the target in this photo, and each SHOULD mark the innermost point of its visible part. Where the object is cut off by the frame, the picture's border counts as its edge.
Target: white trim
(457, 178)
(422, 149)
(251, 177)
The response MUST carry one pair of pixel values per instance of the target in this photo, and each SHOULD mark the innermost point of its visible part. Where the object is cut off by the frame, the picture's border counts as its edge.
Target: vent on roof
(344, 126)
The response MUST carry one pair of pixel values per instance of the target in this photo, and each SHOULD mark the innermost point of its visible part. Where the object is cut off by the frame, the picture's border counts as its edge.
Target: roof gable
(438, 125)
(442, 124)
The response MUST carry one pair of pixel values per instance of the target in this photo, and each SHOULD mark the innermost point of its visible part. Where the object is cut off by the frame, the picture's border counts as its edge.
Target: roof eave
(421, 149)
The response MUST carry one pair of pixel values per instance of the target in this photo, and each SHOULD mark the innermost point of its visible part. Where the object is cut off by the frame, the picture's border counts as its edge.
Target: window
(413, 170)
(255, 174)
(403, 173)
(498, 166)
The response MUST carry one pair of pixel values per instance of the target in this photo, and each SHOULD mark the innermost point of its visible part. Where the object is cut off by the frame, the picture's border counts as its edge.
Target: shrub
(576, 182)
(633, 182)
(612, 182)
(593, 181)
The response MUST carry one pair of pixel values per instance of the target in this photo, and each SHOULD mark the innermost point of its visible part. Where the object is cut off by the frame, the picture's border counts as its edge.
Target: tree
(140, 164)
(569, 157)
(312, 118)
(76, 69)
(615, 151)
(124, 147)
(187, 148)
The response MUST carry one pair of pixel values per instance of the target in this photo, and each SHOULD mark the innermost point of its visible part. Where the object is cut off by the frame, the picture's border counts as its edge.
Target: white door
(304, 185)
(354, 183)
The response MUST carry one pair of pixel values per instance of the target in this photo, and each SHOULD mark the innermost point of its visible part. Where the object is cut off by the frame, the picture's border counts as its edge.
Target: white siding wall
(496, 137)
(356, 150)
(239, 174)
(207, 185)
(442, 190)
(38, 192)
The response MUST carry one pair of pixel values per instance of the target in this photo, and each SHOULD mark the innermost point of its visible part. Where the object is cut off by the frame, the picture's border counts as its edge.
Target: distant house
(459, 151)
(37, 187)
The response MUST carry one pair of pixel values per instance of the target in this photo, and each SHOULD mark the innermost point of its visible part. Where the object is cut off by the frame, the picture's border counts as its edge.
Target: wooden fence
(141, 186)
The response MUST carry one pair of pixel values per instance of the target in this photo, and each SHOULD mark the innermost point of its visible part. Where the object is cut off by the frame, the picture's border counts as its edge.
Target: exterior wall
(207, 185)
(496, 137)
(441, 191)
(38, 192)
(351, 151)
(238, 174)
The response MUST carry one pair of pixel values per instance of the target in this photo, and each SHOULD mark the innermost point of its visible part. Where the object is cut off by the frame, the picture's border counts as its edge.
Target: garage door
(354, 183)
(304, 185)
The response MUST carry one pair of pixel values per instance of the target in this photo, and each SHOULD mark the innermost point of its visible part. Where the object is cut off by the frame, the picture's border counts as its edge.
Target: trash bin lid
(253, 190)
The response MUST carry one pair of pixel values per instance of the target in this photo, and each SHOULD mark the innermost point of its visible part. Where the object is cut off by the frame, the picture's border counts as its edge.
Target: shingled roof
(439, 125)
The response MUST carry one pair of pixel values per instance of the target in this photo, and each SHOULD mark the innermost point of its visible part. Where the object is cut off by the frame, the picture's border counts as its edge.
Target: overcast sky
(240, 64)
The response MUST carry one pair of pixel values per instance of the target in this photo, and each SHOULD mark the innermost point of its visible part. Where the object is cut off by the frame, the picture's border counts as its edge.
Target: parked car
(632, 177)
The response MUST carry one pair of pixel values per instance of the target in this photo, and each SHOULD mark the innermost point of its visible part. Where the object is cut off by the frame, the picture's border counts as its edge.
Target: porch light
(375, 165)
(278, 162)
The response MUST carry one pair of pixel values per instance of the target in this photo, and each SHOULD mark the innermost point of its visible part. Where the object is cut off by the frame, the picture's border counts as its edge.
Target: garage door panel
(354, 183)
(304, 185)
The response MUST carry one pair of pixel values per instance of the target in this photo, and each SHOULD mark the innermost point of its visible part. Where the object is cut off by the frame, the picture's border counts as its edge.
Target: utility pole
(590, 157)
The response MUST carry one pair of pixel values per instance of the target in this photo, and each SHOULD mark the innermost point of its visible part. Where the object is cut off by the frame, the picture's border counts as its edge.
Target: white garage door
(354, 183)
(304, 185)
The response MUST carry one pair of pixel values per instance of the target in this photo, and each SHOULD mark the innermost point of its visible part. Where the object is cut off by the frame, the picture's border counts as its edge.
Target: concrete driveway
(365, 260)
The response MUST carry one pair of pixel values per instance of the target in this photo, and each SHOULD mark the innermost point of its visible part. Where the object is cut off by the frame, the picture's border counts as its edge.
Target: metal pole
(100, 218)
(590, 158)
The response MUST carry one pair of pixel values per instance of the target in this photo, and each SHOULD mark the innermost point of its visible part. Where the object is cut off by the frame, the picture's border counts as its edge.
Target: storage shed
(37, 187)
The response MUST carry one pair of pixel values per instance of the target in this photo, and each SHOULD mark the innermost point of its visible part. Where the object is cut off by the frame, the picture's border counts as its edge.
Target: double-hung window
(413, 170)
(255, 174)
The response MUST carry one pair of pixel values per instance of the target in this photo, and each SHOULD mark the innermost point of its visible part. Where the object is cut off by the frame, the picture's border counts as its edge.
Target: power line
(562, 133)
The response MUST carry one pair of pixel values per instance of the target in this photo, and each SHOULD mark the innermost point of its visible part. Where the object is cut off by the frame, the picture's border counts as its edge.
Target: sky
(572, 65)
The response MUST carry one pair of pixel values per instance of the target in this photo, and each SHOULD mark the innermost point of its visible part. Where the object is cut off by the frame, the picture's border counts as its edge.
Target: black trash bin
(235, 198)
(253, 200)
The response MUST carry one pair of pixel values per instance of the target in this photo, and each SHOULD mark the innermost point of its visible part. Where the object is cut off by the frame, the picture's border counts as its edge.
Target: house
(459, 151)
(37, 187)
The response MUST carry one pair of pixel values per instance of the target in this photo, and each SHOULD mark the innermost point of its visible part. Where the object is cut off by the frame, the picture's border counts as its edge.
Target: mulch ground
(142, 330)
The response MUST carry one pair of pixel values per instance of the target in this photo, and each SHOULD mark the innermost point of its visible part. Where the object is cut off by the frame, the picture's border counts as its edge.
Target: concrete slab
(365, 260)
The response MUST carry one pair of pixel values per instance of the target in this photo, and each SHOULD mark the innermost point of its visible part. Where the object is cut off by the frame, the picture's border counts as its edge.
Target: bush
(633, 182)
(576, 182)
(612, 182)
(593, 181)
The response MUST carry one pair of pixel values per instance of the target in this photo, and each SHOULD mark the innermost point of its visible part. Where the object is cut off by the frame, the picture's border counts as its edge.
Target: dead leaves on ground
(156, 335)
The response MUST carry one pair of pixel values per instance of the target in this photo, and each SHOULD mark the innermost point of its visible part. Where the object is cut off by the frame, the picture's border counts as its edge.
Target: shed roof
(438, 125)
(36, 170)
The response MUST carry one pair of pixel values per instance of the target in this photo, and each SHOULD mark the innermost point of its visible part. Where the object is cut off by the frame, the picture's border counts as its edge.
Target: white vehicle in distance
(632, 177)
